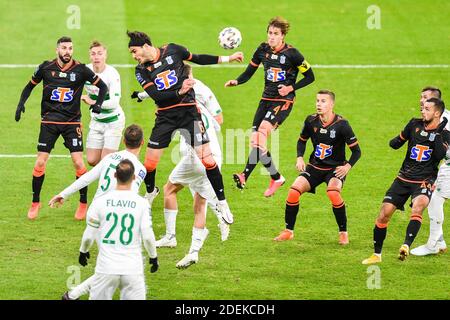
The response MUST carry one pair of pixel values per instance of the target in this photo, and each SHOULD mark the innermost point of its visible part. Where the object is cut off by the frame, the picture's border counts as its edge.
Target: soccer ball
(230, 38)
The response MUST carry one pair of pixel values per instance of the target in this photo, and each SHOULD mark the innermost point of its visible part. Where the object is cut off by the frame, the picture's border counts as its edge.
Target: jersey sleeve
(148, 236)
(114, 86)
(93, 215)
(38, 74)
(405, 134)
(305, 134)
(90, 76)
(349, 135)
(210, 101)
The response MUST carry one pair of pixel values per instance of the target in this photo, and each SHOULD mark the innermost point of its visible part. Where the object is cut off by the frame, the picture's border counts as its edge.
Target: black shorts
(50, 132)
(400, 191)
(273, 111)
(186, 119)
(316, 176)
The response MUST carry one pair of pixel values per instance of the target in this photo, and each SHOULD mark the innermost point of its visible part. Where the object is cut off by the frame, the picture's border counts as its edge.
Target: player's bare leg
(170, 215)
(37, 182)
(380, 231)
(215, 178)
(334, 189)
(152, 157)
(199, 233)
(93, 156)
(80, 169)
(419, 204)
(300, 186)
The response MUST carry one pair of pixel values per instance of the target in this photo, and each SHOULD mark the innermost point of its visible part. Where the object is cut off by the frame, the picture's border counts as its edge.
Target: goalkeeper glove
(135, 95)
(83, 258)
(154, 264)
(19, 110)
(95, 108)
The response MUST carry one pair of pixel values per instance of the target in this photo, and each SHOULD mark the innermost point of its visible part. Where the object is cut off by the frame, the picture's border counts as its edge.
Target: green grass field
(36, 255)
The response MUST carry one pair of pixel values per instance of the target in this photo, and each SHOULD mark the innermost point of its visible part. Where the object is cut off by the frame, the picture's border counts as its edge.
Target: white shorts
(105, 135)
(191, 173)
(443, 182)
(132, 287)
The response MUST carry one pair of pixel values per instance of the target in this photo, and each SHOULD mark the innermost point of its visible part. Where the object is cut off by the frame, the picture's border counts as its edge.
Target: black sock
(290, 215)
(341, 218)
(266, 160)
(215, 178)
(252, 161)
(37, 186)
(379, 234)
(83, 194)
(150, 181)
(411, 231)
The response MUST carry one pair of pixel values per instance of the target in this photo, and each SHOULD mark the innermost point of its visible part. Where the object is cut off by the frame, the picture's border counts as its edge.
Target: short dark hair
(138, 39)
(96, 43)
(63, 39)
(133, 136)
(124, 171)
(438, 104)
(279, 22)
(328, 92)
(434, 90)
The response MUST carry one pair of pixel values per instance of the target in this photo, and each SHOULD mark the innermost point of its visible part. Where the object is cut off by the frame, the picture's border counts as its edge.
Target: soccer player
(436, 242)
(105, 129)
(427, 144)
(282, 63)
(162, 74)
(64, 79)
(191, 173)
(104, 173)
(120, 221)
(329, 133)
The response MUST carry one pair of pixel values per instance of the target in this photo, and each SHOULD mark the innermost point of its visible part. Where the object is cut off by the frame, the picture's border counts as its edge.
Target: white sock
(436, 213)
(81, 289)
(198, 238)
(170, 217)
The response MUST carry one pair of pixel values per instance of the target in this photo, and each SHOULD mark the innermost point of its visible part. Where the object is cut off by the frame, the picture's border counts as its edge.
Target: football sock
(150, 181)
(215, 178)
(252, 161)
(198, 237)
(266, 160)
(170, 218)
(37, 186)
(412, 230)
(290, 215)
(83, 193)
(436, 213)
(341, 218)
(379, 234)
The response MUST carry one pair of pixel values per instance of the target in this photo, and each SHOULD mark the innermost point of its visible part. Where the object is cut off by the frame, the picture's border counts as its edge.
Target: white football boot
(427, 249)
(188, 260)
(225, 211)
(168, 241)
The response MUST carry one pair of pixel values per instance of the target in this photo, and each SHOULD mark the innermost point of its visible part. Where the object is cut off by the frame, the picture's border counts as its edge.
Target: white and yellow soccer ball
(230, 38)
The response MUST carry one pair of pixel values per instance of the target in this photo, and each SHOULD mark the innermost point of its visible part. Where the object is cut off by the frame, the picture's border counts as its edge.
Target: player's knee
(335, 197)
(150, 164)
(169, 189)
(293, 196)
(92, 160)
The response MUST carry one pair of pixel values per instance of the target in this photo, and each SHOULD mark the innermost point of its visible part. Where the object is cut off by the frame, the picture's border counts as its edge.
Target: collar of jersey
(67, 66)
(324, 125)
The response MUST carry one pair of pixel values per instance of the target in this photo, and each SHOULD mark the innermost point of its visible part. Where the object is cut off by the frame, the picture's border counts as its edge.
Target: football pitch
(376, 65)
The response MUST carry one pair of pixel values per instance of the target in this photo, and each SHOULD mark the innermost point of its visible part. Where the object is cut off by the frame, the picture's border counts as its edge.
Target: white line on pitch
(32, 156)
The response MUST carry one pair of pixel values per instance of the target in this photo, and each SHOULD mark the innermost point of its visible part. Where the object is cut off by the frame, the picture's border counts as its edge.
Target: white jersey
(104, 173)
(123, 218)
(209, 107)
(111, 109)
(446, 163)
(443, 179)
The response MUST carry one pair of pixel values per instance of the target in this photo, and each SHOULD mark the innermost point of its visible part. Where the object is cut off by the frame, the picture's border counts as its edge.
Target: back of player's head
(95, 44)
(439, 105)
(435, 91)
(187, 69)
(138, 39)
(63, 39)
(124, 171)
(328, 92)
(279, 22)
(133, 136)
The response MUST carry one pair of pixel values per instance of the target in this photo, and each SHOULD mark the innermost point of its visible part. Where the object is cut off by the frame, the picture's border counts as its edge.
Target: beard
(65, 58)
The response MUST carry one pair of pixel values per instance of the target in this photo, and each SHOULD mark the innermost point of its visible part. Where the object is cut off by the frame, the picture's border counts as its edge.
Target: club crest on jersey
(421, 153)
(62, 94)
(432, 136)
(72, 76)
(332, 133)
(323, 150)
(166, 79)
(282, 59)
(169, 60)
(276, 74)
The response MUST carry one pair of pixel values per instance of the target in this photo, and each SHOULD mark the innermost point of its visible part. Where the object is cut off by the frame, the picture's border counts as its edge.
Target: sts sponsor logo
(166, 79)
(421, 153)
(276, 74)
(62, 94)
(323, 150)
